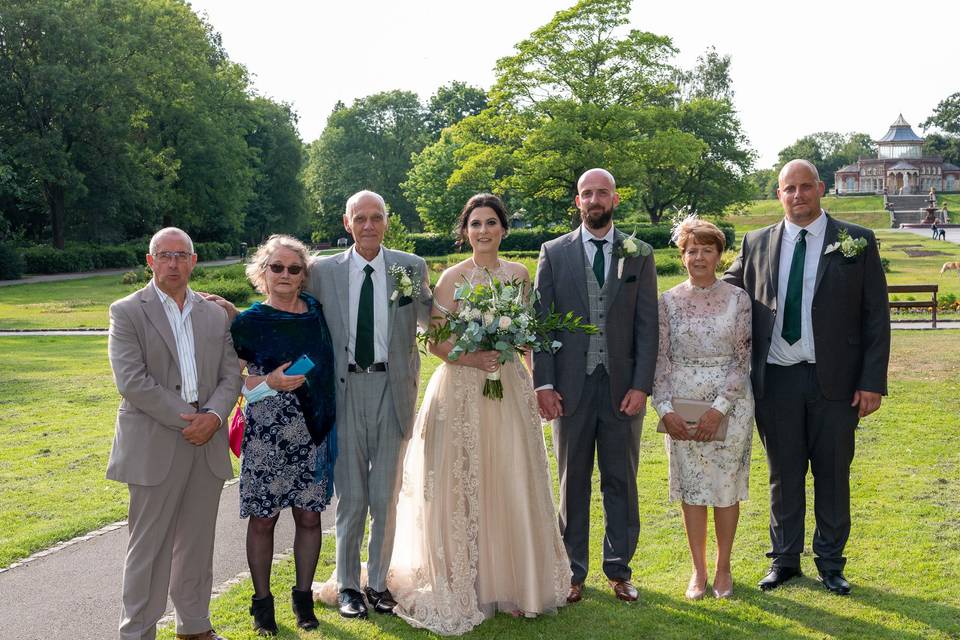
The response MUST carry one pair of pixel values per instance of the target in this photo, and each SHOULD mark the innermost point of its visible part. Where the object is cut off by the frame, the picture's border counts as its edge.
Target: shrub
(199, 273)
(112, 257)
(668, 266)
(885, 263)
(211, 250)
(131, 277)
(79, 258)
(236, 292)
(11, 263)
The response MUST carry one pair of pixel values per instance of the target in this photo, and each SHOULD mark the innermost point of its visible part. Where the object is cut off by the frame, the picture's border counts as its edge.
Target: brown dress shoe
(624, 590)
(206, 635)
(576, 592)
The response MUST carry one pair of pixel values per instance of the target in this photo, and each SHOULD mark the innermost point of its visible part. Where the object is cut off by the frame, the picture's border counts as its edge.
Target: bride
(476, 526)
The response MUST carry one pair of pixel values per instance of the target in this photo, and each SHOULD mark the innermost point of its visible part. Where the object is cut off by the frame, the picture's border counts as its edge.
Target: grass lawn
(904, 553)
(58, 407)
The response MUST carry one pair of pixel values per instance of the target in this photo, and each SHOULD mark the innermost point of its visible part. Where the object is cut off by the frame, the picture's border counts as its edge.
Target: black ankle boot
(264, 621)
(303, 609)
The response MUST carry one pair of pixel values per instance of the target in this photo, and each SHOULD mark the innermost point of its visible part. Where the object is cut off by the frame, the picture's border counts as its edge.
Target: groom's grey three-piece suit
(375, 410)
(593, 374)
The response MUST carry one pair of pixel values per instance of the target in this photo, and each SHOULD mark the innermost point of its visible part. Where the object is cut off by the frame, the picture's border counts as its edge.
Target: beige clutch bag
(690, 411)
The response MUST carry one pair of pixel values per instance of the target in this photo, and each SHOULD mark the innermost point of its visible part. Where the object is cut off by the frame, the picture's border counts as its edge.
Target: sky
(797, 68)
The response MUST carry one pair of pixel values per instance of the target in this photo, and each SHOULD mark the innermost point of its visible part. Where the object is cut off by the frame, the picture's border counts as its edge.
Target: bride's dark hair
(476, 202)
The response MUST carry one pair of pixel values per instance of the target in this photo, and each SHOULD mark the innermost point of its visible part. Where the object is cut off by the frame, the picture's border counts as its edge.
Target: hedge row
(92, 257)
(11, 263)
(434, 244)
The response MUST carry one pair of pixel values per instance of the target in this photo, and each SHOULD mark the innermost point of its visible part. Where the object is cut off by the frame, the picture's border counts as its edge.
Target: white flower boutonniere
(407, 283)
(629, 248)
(850, 247)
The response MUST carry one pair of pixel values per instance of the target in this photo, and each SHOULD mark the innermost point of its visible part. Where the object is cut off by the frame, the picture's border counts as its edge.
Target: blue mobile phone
(301, 367)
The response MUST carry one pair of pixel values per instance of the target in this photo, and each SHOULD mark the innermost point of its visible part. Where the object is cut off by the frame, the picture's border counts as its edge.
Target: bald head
(798, 164)
(594, 175)
(169, 231)
(799, 190)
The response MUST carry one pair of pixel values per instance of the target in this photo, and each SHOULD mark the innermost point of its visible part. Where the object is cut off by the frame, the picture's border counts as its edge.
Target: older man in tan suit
(175, 367)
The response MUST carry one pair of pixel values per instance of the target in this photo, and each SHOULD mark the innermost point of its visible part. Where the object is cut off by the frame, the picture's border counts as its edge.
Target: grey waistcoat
(596, 296)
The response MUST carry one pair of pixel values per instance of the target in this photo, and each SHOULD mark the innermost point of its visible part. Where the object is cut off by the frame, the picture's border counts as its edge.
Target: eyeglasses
(293, 269)
(173, 256)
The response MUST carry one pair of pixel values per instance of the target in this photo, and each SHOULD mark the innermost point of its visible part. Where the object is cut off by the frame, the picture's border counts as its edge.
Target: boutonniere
(850, 247)
(408, 285)
(629, 248)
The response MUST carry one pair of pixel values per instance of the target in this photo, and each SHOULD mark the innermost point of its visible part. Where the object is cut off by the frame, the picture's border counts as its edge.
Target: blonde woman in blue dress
(705, 340)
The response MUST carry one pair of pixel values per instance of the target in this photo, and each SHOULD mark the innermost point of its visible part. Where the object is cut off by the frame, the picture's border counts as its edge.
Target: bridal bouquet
(498, 316)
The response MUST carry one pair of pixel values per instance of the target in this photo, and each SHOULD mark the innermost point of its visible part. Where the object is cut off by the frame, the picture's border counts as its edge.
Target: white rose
(405, 280)
(630, 245)
(487, 319)
(505, 322)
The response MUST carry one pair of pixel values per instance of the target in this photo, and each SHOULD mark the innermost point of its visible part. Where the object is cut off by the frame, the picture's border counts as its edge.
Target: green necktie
(363, 350)
(599, 261)
(794, 299)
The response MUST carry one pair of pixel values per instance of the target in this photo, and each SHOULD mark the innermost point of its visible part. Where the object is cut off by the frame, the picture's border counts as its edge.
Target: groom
(595, 387)
(821, 344)
(373, 323)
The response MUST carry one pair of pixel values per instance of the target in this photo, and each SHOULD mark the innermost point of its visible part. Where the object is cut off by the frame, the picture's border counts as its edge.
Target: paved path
(952, 234)
(57, 277)
(74, 593)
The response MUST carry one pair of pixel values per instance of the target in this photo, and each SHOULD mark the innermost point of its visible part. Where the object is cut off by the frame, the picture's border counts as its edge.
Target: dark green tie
(794, 299)
(599, 261)
(363, 350)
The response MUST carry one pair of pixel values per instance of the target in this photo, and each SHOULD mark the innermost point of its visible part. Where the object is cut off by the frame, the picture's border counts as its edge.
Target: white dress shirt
(183, 335)
(379, 277)
(802, 350)
(591, 249)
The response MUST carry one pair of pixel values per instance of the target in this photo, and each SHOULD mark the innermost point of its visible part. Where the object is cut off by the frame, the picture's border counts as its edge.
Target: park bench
(930, 303)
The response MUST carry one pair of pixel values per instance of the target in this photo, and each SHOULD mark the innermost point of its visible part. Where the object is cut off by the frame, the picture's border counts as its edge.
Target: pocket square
(404, 300)
(630, 279)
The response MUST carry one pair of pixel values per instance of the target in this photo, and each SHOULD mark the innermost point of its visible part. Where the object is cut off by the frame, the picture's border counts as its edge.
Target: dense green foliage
(121, 116)
(11, 262)
(828, 151)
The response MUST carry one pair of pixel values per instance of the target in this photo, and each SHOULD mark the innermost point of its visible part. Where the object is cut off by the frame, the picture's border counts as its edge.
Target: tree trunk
(55, 195)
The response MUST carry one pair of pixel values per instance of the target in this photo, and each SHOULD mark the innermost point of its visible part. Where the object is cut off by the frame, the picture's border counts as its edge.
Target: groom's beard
(597, 218)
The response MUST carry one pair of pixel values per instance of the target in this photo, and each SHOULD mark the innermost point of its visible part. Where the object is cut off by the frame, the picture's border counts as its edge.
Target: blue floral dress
(289, 442)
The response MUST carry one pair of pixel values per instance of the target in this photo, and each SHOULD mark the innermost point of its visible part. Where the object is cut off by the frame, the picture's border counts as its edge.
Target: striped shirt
(183, 335)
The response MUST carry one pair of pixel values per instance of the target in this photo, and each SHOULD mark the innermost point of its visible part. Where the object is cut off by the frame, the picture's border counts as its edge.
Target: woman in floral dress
(289, 440)
(705, 335)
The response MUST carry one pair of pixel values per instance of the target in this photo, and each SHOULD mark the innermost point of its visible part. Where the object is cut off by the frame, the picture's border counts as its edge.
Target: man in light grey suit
(373, 322)
(175, 368)
(595, 387)
(821, 345)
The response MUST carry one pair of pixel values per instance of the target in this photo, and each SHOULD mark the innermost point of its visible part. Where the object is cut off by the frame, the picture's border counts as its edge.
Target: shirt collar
(165, 299)
(359, 262)
(815, 228)
(586, 236)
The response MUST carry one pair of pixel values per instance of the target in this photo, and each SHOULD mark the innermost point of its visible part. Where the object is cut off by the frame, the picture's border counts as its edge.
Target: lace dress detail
(705, 337)
(476, 525)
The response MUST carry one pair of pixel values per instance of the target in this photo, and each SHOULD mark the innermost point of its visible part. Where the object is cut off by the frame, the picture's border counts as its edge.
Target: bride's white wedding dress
(476, 526)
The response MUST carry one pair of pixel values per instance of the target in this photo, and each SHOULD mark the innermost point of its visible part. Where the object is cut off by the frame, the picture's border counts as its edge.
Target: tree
(584, 91)
(366, 146)
(829, 151)
(946, 115)
(452, 103)
(279, 201)
(945, 146)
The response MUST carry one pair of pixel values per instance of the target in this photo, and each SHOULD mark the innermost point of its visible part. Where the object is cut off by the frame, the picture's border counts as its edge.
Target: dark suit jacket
(850, 313)
(632, 328)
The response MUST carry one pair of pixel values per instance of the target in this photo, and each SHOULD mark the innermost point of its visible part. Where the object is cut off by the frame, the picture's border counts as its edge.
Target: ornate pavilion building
(900, 167)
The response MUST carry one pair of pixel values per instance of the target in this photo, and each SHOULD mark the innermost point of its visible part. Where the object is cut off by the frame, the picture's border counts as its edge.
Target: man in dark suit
(821, 344)
(595, 387)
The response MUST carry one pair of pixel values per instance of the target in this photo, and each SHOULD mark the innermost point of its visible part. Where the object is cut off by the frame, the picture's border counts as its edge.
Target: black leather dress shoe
(381, 601)
(351, 604)
(777, 576)
(835, 582)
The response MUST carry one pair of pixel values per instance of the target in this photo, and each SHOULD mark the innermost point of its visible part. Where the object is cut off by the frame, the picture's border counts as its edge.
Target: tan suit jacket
(146, 369)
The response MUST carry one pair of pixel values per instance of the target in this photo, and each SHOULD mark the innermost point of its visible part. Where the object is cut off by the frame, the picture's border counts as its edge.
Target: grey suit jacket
(330, 284)
(851, 317)
(632, 328)
(146, 370)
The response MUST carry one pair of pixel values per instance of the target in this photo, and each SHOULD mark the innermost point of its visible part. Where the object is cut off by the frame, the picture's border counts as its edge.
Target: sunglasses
(293, 269)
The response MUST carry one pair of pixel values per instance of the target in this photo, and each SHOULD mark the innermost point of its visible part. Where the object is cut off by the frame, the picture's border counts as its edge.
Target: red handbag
(237, 425)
